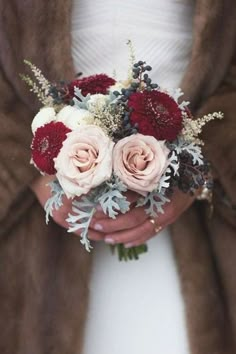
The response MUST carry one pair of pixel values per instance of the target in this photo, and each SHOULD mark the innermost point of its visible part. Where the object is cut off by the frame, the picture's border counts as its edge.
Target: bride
(135, 307)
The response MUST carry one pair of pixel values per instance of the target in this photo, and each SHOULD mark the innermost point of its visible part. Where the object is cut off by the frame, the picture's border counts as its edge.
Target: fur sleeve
(37, 31)
(220, 138)
(15, 137)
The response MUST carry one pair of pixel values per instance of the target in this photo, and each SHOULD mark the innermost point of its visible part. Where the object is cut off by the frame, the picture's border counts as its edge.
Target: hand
(134, 228)
(43, 192)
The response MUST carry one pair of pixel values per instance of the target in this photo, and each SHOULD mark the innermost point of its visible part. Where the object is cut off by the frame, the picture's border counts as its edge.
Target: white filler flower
(73, 117)
(44, 116)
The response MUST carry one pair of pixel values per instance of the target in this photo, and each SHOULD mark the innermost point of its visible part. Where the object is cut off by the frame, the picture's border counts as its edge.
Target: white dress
(135, 307)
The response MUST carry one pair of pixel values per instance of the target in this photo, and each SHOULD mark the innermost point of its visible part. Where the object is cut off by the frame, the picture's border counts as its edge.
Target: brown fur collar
(40, 32)
(213, 48)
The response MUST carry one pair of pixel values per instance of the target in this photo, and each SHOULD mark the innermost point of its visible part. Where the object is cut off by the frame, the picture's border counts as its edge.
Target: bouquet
(101, 137)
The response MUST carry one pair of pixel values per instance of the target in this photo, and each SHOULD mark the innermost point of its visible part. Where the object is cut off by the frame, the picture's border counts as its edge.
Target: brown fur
(44, 274)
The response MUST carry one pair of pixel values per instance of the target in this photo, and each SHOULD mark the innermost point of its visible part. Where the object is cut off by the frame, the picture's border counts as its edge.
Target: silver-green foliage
(55, 201)
(112, 200)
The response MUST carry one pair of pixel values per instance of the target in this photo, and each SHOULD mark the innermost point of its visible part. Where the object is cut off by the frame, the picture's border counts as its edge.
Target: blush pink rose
(84, 161)
(140, 161)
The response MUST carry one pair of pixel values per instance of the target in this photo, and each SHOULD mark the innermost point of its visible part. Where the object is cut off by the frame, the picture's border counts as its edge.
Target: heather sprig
(41, 87)
(192, 128)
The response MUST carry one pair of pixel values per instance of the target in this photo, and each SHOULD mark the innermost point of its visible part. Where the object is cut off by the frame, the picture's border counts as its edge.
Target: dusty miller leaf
(83, 210)
(55, 201)
(176, 94)
(164, 181)
(192, 149)
(80, 100)
(173, 163)
(112, 200)
(154, 202)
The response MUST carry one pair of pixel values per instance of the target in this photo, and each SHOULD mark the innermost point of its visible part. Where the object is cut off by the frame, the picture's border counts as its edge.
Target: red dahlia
(92, 84)
(156, 113)
(46, 145)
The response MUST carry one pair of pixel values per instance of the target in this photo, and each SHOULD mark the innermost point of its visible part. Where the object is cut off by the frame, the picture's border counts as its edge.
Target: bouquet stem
(127, 254)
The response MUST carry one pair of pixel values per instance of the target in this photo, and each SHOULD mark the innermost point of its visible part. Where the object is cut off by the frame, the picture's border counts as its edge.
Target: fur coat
(44, 274)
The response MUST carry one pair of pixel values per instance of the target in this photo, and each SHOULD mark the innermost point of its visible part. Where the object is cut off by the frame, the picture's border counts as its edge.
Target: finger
(172, 210)
(143, 240)
(60, 219)
(60, 216)
(134, 217)
(99, 214)
(140, 233)
(92, 235)
(95, 235)
(132, 197)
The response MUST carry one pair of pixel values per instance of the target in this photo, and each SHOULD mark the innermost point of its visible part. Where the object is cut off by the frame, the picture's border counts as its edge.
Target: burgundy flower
(156, 113)
(92, 84)
(46, 145)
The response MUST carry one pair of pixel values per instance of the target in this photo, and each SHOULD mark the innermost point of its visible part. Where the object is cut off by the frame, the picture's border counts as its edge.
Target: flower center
(44, 145)
(157, 110)
(137, 160)
(85, 158)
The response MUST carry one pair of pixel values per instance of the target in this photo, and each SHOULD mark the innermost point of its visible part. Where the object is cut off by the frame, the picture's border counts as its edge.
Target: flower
(44, 116)
(46, 145)
(140, 161)
(156, 113)
(92, 84)
(97, 101)
(73, 117)
(85, 160)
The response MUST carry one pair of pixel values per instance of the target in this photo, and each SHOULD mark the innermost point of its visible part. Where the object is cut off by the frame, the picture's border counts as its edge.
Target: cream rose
(73, 117)
(44, 116)
(97, 101)
(140, 161)
(84, 161)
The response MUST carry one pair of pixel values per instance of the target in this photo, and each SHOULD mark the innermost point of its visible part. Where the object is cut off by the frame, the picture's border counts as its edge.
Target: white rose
(44, 116)
(97, 101)
(73, 117)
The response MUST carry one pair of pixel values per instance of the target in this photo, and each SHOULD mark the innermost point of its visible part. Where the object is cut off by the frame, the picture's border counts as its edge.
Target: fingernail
(98, 227)
(128, 245)
(109, 240)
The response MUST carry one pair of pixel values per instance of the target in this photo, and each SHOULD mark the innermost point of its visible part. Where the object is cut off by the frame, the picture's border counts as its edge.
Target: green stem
(128, 254)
